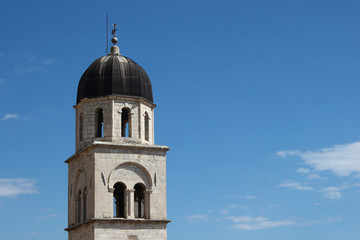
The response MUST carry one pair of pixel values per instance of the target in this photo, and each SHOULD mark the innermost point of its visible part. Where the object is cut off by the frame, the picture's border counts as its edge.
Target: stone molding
(115, 97)
(161, 148)
(118, 220)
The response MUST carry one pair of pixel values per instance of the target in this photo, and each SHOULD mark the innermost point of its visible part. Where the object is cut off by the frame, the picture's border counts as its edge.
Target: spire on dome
(114, 40)
(114, 50)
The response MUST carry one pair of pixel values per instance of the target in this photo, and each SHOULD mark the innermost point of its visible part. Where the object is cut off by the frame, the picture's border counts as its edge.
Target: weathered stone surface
(99, 163)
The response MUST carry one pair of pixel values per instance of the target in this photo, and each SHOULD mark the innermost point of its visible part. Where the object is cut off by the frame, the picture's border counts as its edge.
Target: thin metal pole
(107, 34)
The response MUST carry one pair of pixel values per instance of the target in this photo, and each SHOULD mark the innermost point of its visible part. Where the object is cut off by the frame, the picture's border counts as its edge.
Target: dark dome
(114, 74)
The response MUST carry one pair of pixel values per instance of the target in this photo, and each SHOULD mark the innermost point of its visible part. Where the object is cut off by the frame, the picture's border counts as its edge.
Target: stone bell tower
(117, 177)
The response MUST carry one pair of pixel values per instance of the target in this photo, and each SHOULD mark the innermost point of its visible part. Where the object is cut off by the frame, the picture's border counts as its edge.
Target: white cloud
(321, 221)
(302, 170)
(10, 187)
(343, 159)
(10, 116)
(232, 206)
(250, 197)
(226, 211)
(314, 176)
(256, 223)
(2, 54)
(49, 61)
(333, 193)
(287, 153)
(295, 185)
(2, 81)
(19, 70)
(198, 218)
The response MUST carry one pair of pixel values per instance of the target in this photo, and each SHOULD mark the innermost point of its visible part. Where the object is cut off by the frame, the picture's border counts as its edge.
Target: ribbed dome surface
(114, 75)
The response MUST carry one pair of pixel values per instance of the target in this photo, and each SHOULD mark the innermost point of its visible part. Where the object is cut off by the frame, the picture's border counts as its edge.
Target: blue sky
(258, 100)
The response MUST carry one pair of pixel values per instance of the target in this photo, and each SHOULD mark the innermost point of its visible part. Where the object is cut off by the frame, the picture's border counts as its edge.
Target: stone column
(125, 203)
(147, 203)
(130, 203)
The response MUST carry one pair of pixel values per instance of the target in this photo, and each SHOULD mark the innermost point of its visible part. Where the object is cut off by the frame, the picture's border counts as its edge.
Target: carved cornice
(100, 144)
(116, 97)
(120, 221)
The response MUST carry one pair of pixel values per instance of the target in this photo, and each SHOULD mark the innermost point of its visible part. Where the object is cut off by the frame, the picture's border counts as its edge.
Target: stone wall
(112, 110)
(80, 176)
(100, 162)
(153, 175)
(84, 232)
(115, 231)
(100, 166)
(120, 230)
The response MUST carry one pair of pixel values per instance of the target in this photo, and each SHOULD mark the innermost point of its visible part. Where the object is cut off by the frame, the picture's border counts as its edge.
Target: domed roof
(114, 74)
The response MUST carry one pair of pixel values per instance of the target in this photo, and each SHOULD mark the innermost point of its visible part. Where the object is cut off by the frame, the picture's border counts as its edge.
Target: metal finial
(114, 40)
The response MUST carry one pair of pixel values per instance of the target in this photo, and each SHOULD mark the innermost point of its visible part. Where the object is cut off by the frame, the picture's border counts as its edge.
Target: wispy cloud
(11, 187)
(33, 63)
(256, 223)
(343, 159)
(333, 193)
(288, 153)
(250, 197)
(314, 176)
(49, 61)
(302, 170)
(321, 221)
(19, 70)
(2, 54)
(198, 218)
(294, 185)
(9, 116)
(2, 81)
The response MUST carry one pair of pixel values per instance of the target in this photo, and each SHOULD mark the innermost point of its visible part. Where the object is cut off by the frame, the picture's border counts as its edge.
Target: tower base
(116, 229)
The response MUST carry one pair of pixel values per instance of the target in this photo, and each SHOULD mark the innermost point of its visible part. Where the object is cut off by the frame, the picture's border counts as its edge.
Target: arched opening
(146, 120)
(99, 123)
(139, 201)
(84, 204)
(81, 127)
(119, 200)
(125, 122)
(78, 207)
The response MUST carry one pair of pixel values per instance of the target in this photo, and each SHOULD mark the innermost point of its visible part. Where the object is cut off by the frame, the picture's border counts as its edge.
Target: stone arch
(80, 180)
(80, 191)
(81, 127)
(126, 123)
(99, 122)
(119, 199)
(146, 126)
(130, 174)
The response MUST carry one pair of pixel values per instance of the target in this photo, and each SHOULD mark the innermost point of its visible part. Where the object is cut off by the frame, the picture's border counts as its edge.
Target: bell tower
(117, 176)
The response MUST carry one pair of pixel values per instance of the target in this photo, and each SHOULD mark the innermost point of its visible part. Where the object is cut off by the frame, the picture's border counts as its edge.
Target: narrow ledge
(118, 145)
(118, 220)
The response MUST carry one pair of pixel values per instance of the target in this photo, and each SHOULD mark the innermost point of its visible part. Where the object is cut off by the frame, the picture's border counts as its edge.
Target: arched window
(78, 207)
(119, 200)
(99, 123)
(146, 120)
(139, 201)
(84, 204)
(81, 126)
(125, 122)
